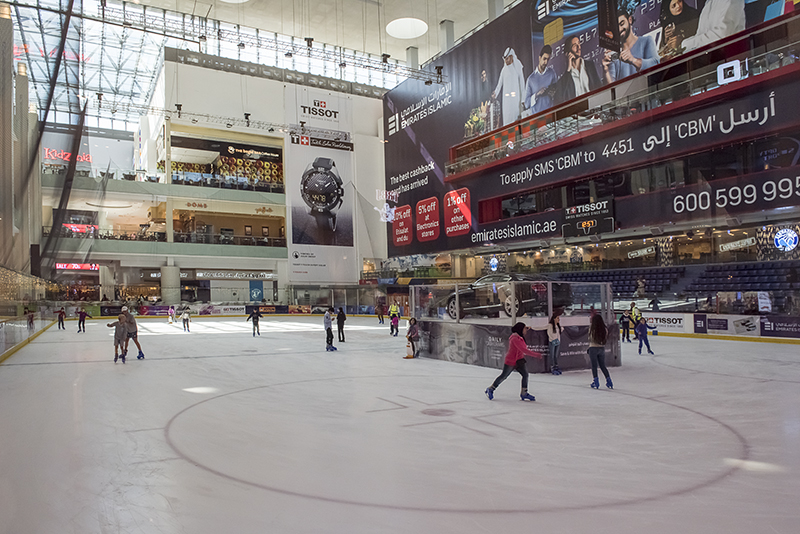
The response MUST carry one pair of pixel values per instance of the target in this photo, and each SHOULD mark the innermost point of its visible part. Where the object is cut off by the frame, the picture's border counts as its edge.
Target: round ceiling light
(406, 28)
(234, 1)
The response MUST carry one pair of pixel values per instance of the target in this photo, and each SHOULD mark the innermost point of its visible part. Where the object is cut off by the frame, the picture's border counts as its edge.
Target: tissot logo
(320, 109)
(393, 121)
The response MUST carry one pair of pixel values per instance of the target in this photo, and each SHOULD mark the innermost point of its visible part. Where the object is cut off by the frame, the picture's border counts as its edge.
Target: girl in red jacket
(515, 361)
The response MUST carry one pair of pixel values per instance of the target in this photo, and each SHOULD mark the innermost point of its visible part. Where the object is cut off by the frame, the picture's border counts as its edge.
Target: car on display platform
(494, 293)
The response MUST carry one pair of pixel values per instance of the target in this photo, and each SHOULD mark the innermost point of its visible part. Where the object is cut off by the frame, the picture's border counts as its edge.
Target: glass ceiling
(116, 49)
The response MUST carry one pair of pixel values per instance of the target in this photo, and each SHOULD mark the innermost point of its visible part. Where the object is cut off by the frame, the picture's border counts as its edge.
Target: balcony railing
(178, 237)
(542, 129)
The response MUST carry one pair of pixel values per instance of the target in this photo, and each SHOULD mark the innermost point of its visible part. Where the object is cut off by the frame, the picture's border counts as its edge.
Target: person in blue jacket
(641, 332)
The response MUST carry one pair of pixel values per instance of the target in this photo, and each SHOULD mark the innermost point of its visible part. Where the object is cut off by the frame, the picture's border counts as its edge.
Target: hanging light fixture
(407, 28)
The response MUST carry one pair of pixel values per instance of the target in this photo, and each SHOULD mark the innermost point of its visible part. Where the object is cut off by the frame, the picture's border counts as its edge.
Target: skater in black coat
(625, 325)
(340, 319)
(641, 331)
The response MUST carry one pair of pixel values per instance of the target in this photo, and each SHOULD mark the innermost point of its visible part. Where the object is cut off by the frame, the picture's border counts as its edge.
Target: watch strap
(324, 163)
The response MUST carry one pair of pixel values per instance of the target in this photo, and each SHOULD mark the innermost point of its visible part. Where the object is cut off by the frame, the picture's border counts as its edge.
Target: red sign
(401, 226)
(77, 266)
(427, 219)
(52, 153)
(457, 215)
(369, 282)
(81, 228)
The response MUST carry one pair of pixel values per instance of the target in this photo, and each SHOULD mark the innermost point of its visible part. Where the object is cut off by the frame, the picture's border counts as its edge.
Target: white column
(412, 57)
(170, 284)
(446, 35)
(107, 283)
(495, 9)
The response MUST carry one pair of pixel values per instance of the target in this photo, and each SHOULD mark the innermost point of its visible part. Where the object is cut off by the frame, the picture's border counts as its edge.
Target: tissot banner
(540, 54)
(319, 186)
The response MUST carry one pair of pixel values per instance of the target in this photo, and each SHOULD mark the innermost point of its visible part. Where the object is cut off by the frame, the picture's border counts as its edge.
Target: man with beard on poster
(510, 86)
(543, 76)
(581, 75)
(636, 54)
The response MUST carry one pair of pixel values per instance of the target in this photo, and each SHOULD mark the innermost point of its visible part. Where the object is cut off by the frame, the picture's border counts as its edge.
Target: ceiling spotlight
(428, 82)
(179, 107)
(202, 38)
(385, 58)
(194, 121)
(247, 118)
(288, 54)
(309, 41)
(342, 65)
(241, 46)
(271, 130)
(229, 125)
(439, 69)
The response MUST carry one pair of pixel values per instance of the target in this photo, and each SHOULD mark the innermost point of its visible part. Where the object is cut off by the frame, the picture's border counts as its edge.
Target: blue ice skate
(527, 397)
(595, 383)
(609, 383)
(489, 393)
(140, 356)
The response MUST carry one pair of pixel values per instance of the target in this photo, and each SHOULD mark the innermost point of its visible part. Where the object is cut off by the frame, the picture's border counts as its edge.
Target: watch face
(320, 190)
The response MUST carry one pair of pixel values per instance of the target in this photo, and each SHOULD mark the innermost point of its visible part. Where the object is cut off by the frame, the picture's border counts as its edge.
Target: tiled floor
(217, 431)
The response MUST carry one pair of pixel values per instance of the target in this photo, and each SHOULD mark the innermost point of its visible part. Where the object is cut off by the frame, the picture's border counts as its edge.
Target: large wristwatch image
(322, 191)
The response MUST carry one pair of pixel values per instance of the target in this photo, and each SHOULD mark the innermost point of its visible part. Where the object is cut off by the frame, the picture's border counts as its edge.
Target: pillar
(412, 57)
(446, 35)
(167, 150)
(168, 215)
(107, 283)
(495, 9)
(170, 284)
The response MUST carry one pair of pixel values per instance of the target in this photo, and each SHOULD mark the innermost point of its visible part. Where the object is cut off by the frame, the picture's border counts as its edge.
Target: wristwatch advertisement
(322, 191)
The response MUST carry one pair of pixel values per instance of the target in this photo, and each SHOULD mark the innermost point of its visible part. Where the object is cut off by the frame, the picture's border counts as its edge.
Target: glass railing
(226, 239)
(542, 129)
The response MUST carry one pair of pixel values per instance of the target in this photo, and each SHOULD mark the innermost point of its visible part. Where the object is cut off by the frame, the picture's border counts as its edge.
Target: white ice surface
(217, 431)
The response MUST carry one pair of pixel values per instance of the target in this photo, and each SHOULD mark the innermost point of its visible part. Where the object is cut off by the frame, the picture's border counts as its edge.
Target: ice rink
(217, 431)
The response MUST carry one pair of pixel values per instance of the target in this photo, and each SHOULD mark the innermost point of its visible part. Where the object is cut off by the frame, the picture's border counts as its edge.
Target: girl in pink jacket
(515, 361)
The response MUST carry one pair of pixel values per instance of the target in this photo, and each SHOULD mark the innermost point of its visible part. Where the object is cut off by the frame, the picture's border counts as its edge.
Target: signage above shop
(154, 275)
(786, 240)
(77, 267)
(735, 245)
(234, 275)
(81, 228)
(641, 252)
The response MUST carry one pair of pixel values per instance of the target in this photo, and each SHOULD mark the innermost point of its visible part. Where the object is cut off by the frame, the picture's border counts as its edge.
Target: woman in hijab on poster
(510, 86)
(678, 22)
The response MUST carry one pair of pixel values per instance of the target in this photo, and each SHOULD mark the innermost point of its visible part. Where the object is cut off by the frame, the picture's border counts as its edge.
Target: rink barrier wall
(730, 327)
(10, 352)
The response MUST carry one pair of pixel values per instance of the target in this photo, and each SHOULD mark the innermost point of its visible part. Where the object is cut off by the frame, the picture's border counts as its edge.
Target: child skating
(641, 332)
(120, 335)
(255, 315)
(394, 328)
(515, 361)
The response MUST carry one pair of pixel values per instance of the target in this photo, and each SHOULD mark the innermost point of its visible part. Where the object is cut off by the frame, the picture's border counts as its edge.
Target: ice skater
(255, 315)
(61, 316)
(641, 332)
(327, 322)
(625, 325)
(171, 314)
(515, 361)
(340, 319)
(120, 335)
(598, 335)
(133, 333)
(394, 325)
(82, 315)
(554, 337)
(186, 317)
(379, 312)
(413, 336)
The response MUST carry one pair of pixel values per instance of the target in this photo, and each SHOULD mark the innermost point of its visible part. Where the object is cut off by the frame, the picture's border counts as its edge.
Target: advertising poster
(319, 186)
(666, 322)
(541, 54)
(780, 327)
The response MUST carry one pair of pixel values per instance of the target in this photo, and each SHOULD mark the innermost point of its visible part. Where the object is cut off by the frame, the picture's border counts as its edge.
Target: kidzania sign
(63, 155)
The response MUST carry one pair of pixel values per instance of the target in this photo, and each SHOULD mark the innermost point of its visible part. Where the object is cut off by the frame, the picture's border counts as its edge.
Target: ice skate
(489, 393)
(609, 383)
(140, 356)
(527, 397)
(595, 383)
(116, 358)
